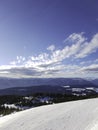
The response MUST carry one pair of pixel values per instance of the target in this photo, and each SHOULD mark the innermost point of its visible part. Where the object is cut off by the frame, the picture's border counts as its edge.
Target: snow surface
(76, 115)
(10, 106)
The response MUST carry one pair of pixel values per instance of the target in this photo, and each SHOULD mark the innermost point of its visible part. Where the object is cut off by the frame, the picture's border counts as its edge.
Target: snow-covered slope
(77, 115)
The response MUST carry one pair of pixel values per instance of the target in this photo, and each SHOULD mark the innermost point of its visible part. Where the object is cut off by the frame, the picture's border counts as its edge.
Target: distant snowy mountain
(42, 85)
(77, 115)
(8, 82)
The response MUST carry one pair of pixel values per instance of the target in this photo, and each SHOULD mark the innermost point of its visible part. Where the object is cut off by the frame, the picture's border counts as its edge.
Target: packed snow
(76, 115)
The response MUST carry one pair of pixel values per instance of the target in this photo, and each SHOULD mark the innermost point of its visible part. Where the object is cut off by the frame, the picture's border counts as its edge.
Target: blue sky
(48, 38)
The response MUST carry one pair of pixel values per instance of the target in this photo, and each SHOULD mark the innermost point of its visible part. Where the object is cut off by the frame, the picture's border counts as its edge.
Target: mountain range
(42, 85)
(25, 82)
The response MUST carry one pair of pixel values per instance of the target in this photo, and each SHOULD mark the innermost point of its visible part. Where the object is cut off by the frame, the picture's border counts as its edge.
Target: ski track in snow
(76, 115)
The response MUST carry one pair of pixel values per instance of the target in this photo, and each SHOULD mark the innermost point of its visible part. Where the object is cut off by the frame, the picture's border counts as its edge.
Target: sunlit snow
(76, 115)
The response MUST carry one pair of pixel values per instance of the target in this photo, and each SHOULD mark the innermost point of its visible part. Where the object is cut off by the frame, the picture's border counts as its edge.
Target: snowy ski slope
(76, 115)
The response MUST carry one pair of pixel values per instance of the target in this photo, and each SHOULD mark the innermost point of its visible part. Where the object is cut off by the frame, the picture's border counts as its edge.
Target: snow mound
(77, 115)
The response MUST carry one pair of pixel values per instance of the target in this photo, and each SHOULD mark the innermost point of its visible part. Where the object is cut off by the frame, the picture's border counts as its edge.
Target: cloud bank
(68, 61)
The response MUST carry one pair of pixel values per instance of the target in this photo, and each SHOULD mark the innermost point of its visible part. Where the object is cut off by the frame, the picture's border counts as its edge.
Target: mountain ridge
(8, 83)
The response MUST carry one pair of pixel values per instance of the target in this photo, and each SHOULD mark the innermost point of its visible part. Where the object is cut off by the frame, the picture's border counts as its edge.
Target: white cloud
(72, 50)
(19, 60)
(84, 48)
(51, 48)
(88, 47)
(4, 72)
(13, 62)
(91, 68)
(51, 64)
(75, 37)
